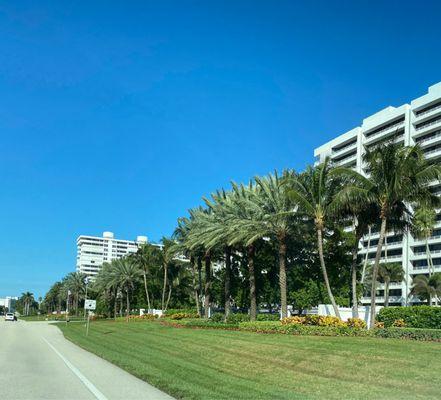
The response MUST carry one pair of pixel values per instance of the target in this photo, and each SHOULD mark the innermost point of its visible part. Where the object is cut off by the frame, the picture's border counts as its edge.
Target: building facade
(418, 122)
(93, 251)
(9, 303)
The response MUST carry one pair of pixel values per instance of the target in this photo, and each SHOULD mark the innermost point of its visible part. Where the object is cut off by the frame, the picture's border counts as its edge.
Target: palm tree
(424, 221)
(124, 274)
(399, 175)
(183, 247)
(387, 273)
(146, 257)
(426, 287)
(316, 193)
(271, 213)
(27, 298)
(75, 282)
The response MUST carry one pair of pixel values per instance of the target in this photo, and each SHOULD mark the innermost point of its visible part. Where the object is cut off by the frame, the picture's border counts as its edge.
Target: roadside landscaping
(215, 364)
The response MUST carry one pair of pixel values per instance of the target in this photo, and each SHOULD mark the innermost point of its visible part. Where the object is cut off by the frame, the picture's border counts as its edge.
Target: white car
(9, 317)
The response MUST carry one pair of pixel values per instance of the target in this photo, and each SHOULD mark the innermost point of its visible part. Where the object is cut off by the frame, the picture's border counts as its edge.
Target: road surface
(36, 362)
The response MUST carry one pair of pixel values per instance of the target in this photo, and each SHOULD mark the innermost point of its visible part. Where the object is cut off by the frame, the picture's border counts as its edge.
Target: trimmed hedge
(425, 317)
(409, 333)
(304, 330)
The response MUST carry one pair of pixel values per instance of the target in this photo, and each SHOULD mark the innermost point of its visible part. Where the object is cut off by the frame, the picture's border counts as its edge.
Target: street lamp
(86, 282)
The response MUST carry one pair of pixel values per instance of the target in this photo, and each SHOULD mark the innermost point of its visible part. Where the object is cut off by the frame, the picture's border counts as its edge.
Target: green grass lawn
(217, 364)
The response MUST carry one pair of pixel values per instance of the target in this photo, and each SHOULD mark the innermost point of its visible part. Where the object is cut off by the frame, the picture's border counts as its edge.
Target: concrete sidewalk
(37, 362)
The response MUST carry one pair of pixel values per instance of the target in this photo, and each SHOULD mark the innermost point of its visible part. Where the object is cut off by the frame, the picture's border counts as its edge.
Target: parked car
(10, 317)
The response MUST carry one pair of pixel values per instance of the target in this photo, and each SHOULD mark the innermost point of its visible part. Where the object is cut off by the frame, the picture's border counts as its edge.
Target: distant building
(93, 251)
(418, 122)
(9, 303)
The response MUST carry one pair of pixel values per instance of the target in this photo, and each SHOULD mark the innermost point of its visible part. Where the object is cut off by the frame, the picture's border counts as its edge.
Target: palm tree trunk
(386, 292)
(199, 261)
(429, 258)
(227, 281)
(354, 275)
(144, 274)
(375, 270)
(207, 288)
(195, 286)
(252, 278)
(366, 257)
(282, 275)
(128, 305)
(325, 273)
(164, 286)
(168, 297)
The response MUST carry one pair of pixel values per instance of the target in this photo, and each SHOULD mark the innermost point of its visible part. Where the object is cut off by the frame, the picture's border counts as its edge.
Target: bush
(299, 329)
(267, 317)
(172, 311)
(144, 317)
(409, 333)
(182, 315)
(293, 320)
(236, 318)
(414, 317)
(399, 323)
(218, 317)
(356, 323)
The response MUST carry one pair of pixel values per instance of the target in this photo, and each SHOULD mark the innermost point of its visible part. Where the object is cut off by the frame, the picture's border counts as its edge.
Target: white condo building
(93, 251)
(417, 122)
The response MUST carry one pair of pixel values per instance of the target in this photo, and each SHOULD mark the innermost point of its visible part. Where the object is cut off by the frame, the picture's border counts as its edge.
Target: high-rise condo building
(417, 122)
(93, 251)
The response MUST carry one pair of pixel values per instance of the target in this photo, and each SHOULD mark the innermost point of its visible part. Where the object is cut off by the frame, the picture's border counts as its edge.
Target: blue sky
(120, 115)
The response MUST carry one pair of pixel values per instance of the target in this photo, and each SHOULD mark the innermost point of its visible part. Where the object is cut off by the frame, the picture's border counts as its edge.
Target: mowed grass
(217, 364)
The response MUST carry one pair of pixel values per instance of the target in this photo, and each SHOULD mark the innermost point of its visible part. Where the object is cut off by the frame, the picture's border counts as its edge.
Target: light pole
(67, 306)
(86, 282)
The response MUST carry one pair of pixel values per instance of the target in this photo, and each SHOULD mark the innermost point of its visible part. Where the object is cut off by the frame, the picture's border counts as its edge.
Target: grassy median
(217, 364)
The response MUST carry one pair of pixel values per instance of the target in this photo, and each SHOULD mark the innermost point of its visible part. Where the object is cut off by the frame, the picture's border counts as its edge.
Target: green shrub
(218, 317)
(413, 317)
(267, 317)
(299, 329)
(408, 333)
(172, 311)
(236, 318)
(205, 323)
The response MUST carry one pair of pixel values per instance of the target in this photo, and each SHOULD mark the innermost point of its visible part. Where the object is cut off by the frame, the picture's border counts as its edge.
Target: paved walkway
(36, 362)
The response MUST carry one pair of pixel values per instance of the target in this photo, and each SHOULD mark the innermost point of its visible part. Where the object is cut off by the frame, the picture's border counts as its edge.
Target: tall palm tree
(316, 193)
(124, 274)
(427, 288)
(182, 246)
(27, 298)
(387, 273)
(424, 221)
(147, 257)
(399, 175)
(272, 213)
(75, 283)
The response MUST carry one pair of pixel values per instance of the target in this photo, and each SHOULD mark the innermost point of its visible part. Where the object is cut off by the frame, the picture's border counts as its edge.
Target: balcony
(424, 126)
(344, 161)
(388, 130)
(433, 153)
(346, 148)
(429, 139)
(429, 111)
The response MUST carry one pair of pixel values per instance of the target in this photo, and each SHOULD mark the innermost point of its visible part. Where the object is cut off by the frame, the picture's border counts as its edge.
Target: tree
(424, 221)
(75, 283)
(123, 275)
(272, 215)
(398, 176)
(27, 299)
(147, 257)
(427, 288)
(387, 273)
(316, 193)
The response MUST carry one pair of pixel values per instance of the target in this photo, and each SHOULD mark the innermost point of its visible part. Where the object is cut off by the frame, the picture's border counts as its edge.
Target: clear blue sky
(120, 115)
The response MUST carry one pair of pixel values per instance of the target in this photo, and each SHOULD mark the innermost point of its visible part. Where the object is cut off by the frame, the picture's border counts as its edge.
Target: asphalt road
(36, 362)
